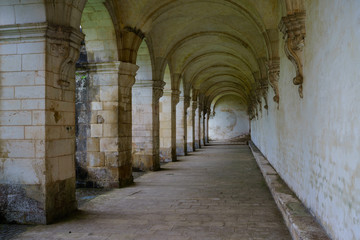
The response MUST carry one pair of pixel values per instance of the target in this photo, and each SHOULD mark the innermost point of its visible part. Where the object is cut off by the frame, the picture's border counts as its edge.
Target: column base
(180, 150)
(29, 204)
(145, 163)
(190, 147)
(165, 155)
(107, 177)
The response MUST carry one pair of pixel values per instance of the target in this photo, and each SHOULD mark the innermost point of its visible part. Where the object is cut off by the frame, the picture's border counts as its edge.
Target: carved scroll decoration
(293, 28)
(273, 67)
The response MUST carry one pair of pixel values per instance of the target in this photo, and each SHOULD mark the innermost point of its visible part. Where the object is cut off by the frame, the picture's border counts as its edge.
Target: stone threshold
(301, 224)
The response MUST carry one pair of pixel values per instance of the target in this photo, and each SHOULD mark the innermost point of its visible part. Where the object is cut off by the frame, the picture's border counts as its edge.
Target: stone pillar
(165, 104)
(175, 95)
(196, 125)
(181, 145)
(207, 126)
(202, 128)
(127, 72)
(98, 166)
(146, 94)
(37, 122)
(189, 129)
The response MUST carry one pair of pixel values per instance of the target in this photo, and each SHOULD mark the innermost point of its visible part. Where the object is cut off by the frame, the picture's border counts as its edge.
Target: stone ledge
(301, 224)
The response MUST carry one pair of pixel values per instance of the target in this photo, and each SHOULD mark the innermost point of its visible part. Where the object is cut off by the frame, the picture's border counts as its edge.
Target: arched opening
(165, 119)
(97, 100)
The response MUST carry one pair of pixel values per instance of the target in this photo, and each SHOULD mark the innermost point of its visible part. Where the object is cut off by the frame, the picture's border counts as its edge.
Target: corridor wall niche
(230, 121)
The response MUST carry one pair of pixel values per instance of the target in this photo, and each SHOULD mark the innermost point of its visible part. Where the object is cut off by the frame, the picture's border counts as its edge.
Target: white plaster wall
(314, 142)
(230, 120)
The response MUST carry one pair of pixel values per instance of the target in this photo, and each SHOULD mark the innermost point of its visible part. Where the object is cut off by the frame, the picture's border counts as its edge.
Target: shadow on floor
(83, 195)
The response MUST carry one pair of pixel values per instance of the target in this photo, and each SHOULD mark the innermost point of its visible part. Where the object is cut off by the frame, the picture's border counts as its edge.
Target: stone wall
(314, 142)
(230, 120)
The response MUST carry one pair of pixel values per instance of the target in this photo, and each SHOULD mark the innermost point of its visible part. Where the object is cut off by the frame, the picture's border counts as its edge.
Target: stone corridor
(216, 192)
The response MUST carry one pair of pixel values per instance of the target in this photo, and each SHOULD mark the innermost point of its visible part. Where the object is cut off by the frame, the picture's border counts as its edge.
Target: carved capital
(194, 106)
(293, 28)
(158, 89)
(187, 100)
(273, 67)
(175, 96)
(127, 72)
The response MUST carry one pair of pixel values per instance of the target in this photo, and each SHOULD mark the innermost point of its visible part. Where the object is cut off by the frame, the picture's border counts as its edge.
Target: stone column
(165, 104)
(189, 125)
(202, 128)
(175, 95)
(196, 125)
(98, 166)
(146, 125)
(181, 123)
(207, 126)
(127, 72)
(37, 122)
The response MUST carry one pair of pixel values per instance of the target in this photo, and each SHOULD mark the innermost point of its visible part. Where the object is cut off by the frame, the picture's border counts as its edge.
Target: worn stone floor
(216, 192)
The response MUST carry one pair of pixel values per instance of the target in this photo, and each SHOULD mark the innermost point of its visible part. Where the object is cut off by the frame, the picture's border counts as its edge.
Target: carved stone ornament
(64, 44)
(175, 96)
(273, 67)
(194, 106)
(158, 89)
(187, 100)
(264, 90)
(293, 28)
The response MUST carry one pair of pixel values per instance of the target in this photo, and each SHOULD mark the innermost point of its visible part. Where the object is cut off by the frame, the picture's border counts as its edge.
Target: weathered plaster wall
(230, 120)
(314, 142)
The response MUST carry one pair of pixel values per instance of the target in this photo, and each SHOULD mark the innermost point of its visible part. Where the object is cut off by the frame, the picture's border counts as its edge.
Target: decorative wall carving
(273, 67)
(293, 28)
(64, 44)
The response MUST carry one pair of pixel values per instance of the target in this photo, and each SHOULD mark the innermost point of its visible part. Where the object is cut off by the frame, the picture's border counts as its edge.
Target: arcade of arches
(92, 90)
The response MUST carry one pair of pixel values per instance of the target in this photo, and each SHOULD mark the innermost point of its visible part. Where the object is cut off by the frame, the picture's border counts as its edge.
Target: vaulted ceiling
(218, 47)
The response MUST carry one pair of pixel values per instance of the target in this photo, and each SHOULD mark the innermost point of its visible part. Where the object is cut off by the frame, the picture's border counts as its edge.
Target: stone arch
(99, 30)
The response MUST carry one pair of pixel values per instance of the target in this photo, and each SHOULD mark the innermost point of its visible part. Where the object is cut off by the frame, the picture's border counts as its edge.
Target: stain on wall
(230, 120)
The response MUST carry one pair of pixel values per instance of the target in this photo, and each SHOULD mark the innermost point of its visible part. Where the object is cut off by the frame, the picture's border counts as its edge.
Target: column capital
(127, 72)
(158, 89)
(187, 100)
(194, 105)
(175, 96)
